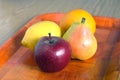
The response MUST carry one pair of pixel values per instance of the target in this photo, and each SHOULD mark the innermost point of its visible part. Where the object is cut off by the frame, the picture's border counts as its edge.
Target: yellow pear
(82, 41)
(38, 30)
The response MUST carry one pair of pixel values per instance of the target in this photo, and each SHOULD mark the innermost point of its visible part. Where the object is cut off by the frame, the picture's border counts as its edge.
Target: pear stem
(83, 20)
(50, 41)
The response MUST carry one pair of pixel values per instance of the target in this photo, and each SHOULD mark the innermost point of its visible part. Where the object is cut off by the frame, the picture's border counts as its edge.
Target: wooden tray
(17, 62)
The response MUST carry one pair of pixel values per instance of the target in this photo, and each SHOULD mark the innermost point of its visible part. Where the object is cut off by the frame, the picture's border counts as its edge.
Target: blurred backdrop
(14, 14)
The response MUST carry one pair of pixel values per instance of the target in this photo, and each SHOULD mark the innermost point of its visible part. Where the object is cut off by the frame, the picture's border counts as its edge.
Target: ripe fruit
(38, 30)
(76, 16)
(82, 41)
(52, 53)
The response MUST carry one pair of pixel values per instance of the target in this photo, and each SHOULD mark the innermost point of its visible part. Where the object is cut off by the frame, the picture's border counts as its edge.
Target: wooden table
(17, 62)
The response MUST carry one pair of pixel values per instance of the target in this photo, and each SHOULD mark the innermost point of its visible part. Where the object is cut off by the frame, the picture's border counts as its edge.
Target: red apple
(52, 53)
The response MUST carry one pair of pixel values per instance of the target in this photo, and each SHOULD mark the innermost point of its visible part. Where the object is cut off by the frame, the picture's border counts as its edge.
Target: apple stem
(49, 35)
(50, 41)
(83, 20)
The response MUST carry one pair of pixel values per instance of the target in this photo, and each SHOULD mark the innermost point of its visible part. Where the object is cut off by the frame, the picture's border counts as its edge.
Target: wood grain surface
(17, 62)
